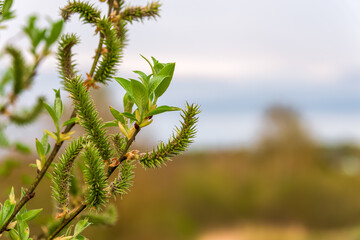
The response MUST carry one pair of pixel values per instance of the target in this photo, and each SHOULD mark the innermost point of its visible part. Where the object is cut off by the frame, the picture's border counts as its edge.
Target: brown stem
(30, 192)
(97, 55)
(122, 156)
(66, 221)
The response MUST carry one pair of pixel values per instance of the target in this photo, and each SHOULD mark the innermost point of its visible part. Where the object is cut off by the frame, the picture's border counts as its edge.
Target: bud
(38, 164)
(122, 129)
(131, 132)
(12, 225)
(146, 122)
(12, 196)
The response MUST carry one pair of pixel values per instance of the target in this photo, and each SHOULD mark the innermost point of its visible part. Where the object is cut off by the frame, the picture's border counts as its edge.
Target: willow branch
(30, 192)
(66, 221)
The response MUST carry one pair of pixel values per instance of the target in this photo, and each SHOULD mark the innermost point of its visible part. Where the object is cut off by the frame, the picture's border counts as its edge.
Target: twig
(66, 221)
(30, 192)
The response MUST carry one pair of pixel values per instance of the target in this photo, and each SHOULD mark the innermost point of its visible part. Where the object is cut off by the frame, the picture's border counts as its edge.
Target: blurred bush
(286, 179)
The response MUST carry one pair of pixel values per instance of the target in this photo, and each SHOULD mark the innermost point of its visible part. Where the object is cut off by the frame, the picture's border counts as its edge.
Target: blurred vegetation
(286, 186)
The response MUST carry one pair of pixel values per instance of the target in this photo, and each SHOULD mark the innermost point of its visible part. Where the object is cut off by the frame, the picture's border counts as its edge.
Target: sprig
(138, 13)
(88, 116)
(95, 178)
(111, 56)
(179, 141)
(88, 13)
(55, 113)
(124, 181)
(62, 173)
(64, 55)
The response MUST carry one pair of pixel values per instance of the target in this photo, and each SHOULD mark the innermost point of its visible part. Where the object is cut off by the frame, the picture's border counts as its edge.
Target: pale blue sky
(239, 57)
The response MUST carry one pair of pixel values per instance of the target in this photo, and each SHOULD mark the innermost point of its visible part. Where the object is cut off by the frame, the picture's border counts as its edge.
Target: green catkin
(111, 58)
(124, 180)
(88, 13)
(119, 143)
(95, 178)
(178, 143)
(138, 13)
(89, 117)
(62, 173)
(18, 69)
(28, 116)
(64, 55)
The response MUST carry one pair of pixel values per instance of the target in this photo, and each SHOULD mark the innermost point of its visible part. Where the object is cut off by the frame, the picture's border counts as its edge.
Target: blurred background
(277, 152)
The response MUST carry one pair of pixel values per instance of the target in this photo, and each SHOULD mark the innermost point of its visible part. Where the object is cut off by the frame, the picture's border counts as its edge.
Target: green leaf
(140, 95)
(54, 33)
(6, 211)
(129, 115)
(45, 143)
(80, 226)
(80, 237)
(68, 231)
(162, 109)
(52, 113)
(125, 84)
(143, 77)
(155, 82)
(39, 148)
(117, 115)
(128, 103)
(168, 71)
(22, 227)
(58, 105)
(31, 214)
(157, 66)
(152, 68)
(14, 235)
(70, 121)
(111, 124)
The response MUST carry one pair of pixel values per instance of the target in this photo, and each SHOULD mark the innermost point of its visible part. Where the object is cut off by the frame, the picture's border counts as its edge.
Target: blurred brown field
(284, 187)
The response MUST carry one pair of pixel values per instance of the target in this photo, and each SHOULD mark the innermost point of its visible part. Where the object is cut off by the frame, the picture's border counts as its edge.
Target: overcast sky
(237, 40)
(237, 56)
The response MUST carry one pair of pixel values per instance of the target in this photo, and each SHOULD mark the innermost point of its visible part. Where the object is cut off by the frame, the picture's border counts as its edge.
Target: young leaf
(168, 71)
(157, 66)
(155, 82)
(39, 148)
(140, 95)
(52, 113)
(58, 105)
(117, 115)
(143, 77)
(152, 68)
(80, 226)
(14, 235)
(129, 115)
(6, 211)
(45, 143)
(162, 109)
(125, 84)
(111, 124)
(31, 214)
(128, 103)
(70, 121)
